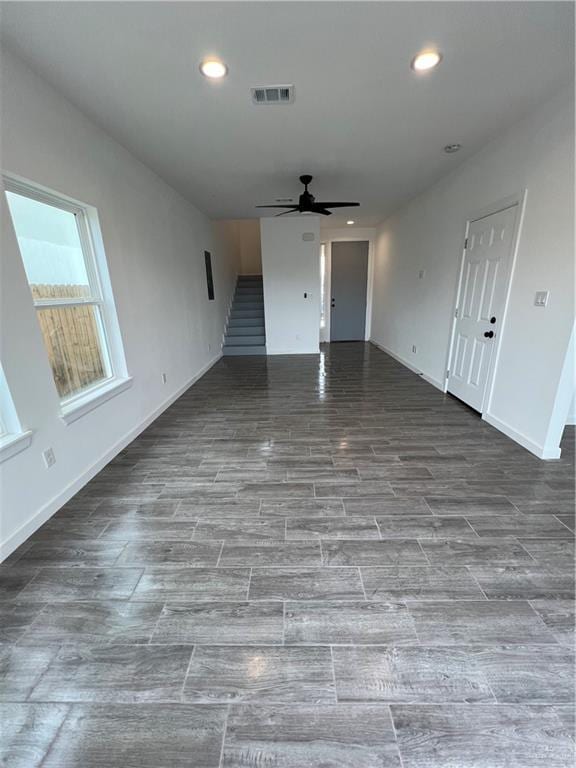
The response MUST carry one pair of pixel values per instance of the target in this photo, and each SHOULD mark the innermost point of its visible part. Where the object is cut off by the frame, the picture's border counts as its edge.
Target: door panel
(349, 276)
(481, 298)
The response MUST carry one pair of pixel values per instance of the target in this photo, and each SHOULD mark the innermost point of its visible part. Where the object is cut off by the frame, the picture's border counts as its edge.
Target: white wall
(291, 268)
(571, 418)
(537, 155)
(154, 241)
(243, 236)
(250, 247)
(563, 408)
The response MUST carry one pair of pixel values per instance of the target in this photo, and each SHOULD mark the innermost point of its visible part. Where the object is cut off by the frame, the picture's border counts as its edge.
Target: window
(56, 246)
(13, 438)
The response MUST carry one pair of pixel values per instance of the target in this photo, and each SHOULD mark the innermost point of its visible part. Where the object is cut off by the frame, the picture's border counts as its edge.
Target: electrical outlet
(49, 458)
(541, 298)
(164, 378)
(414, 348)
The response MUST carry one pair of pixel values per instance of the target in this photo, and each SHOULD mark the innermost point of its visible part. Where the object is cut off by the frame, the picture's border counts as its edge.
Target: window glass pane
(50, 247)
(73, 337)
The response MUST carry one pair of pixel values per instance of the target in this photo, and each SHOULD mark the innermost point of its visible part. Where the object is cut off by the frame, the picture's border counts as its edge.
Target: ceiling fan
(307, 202)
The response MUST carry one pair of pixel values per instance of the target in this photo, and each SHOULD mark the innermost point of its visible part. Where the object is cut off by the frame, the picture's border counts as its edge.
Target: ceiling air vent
(273, 94)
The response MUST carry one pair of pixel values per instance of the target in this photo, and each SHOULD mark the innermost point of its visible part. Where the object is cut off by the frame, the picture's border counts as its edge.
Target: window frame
(78, 403)
(13, 437)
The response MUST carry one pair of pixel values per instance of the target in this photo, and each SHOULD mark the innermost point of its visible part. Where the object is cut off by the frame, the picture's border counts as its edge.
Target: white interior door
(480, 305)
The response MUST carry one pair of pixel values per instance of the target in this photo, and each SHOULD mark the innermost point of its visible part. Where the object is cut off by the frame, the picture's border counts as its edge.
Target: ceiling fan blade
(336, 205)
(292, 210)
(276, 206)
(318, 208)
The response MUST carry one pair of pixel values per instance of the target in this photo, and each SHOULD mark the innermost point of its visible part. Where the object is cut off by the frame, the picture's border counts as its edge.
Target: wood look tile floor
(305, 562)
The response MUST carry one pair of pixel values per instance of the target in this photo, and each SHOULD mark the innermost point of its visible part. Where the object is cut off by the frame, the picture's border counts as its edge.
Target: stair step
(246, 333)
(248, 350)
(237, 314)
(243, 341)
(245, 322)
(247, 306)
(245, 330)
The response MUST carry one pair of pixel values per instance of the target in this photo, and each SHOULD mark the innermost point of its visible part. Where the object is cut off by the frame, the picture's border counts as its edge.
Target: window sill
(73, 411)
(10, 445)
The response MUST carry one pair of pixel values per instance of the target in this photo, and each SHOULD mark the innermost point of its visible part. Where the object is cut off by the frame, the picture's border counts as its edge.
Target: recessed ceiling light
(350, 221)
(451, 148)
(426, 60)
(213, 69)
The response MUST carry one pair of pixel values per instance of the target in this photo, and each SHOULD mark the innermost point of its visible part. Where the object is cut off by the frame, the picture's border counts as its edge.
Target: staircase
(245, 334)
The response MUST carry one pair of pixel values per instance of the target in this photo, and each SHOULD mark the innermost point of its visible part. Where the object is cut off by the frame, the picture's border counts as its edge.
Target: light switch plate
(541, 298)
(308, 236)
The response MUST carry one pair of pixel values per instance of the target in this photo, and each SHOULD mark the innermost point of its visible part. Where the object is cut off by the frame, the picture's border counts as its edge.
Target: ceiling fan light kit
(307, 203)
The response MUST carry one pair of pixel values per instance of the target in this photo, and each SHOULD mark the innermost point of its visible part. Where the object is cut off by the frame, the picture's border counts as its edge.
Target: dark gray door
(349, 277)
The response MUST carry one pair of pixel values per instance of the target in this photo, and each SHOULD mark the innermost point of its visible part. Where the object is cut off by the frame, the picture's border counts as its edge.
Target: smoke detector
(272, 94)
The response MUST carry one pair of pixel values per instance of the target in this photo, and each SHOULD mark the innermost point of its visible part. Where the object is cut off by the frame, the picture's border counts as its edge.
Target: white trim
(229, 311)
(10, 445)
(435, 383)
(519, 200)
(49, 509)
(74, 409)
(40, 193)
(343, 235)
(292, 351)
(9, 421)
(541, 451)
(47, 303)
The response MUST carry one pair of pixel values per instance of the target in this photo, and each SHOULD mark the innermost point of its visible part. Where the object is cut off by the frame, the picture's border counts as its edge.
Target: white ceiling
(362, 122)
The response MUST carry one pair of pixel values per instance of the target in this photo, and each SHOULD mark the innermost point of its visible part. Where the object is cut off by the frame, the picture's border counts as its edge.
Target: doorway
(348, 288)
(480, 305)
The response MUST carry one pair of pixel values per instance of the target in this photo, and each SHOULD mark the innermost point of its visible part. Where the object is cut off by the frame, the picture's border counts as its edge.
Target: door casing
(348, 290)
(341, 236)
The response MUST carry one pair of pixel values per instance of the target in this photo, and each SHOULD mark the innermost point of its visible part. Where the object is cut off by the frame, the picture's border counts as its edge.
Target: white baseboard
(435, 383)
(291, 351)
(541, 451)
(49, 509)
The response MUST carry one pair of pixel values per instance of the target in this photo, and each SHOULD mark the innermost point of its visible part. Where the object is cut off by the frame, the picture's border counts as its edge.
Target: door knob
(489, 334)
(492, 320)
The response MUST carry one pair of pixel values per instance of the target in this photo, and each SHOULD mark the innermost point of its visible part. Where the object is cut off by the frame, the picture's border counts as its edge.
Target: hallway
(305, 562)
